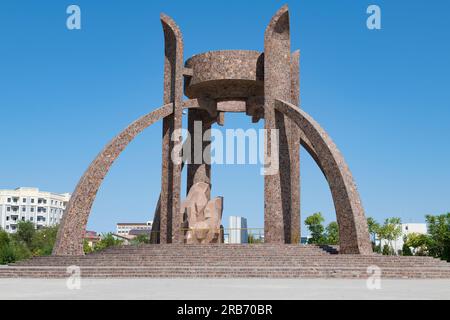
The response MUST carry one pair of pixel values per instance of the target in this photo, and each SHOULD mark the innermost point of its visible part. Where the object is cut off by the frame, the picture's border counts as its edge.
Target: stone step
(229, 272)
(262, 259)
(188, 265)
(170, 257)
(227, 261)
(223, 252)
(223, 247)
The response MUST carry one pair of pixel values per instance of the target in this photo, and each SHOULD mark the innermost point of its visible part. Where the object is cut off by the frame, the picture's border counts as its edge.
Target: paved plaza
(223, 289)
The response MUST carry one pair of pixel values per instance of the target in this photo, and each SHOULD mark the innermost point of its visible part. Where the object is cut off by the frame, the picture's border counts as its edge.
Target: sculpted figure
(202, 216)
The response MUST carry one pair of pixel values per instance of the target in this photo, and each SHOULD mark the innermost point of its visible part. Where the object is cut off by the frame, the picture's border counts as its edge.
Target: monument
(202, 216)
(262, 85)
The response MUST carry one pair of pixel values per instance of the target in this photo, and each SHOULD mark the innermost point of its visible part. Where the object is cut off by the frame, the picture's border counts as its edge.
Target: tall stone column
(199, 167)
(281, 189)
(170, 217)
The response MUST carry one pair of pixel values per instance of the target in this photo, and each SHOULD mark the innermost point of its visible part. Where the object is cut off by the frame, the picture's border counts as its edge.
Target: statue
(202, 217)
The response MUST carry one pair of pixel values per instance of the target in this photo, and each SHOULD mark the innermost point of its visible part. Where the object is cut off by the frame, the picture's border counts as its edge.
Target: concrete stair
(227, 261)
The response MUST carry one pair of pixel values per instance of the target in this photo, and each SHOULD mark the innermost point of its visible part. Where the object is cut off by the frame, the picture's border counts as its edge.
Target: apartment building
(42, 208)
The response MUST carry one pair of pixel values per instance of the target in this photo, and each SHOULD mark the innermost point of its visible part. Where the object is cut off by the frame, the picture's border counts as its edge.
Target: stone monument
(262, 85)
(202, 216)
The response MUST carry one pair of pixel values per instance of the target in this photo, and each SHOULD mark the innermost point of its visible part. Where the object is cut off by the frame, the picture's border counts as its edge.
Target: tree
(4, 238)
(419, 242)
(43, 241)
(25, 232)
(439, 236)
(374, 228)
(13, 248)
(332, 233)
(141, 239)
(315, 227)
(253, 239)
(406, 250)
(107, 240)
(86, 247)
(6, 250)
(388, 250)
(390, 231)
(7, 254)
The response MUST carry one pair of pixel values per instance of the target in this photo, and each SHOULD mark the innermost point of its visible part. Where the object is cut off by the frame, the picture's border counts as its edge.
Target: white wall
(407, 228)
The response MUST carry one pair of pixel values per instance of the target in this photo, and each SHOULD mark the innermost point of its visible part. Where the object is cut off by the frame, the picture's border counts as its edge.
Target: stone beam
(294, 152)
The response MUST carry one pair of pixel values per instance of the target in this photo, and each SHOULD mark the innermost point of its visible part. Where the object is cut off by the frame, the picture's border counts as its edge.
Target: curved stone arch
(173, 93)
(353, 230)
(69, 240)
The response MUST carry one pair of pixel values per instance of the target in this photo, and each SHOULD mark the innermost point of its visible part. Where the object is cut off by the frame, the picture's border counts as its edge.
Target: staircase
(227, 261)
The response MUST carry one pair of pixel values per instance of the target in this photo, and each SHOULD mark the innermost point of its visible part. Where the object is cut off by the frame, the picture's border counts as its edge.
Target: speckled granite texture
(353, 231)
(277, 85)
(170, 218)
(225, 74)
(71, 232)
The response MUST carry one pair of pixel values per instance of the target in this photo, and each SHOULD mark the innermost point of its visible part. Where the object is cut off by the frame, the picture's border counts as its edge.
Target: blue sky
(383, 96)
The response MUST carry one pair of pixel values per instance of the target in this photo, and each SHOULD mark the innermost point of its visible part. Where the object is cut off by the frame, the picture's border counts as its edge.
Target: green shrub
(7, 254)
(388, 250)
(141, 239)
(406, 250)
(86, 247)
(4, 238)
(108, 240)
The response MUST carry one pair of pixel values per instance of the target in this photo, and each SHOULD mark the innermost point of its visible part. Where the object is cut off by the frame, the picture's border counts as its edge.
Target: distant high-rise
(44, 209)
(238, 230)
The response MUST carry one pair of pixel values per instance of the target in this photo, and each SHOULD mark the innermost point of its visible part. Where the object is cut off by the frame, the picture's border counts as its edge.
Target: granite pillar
(277, 85)
(170, 218)
(199, 166)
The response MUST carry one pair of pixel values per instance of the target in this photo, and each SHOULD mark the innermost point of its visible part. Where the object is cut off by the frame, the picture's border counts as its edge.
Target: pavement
(222, 289)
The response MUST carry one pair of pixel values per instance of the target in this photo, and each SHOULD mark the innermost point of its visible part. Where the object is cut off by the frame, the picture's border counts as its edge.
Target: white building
(123, 229)
(407, 228)
(44, 209)
(238, 230)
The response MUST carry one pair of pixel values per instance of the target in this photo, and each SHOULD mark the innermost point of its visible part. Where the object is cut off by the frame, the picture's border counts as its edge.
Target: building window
(8, 209)
(31, 218)
(9, 200)
(24, 200)
(32, 209)
(23, 218)
(32, 200)
(7, 218)
(24, 209)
